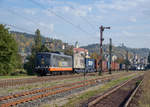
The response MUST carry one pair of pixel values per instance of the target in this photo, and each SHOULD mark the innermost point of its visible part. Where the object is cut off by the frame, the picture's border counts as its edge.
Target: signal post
(101, 48)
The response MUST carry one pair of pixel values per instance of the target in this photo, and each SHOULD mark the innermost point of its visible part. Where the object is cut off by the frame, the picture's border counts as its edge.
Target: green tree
(68, 51)
(120, 60)
(94, 55)
(127, 62)
(38, 41)
(8, 52)
(37, 47)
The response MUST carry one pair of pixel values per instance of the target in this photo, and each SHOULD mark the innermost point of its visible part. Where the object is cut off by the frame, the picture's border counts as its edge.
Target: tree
(94, 55)
(37, 47)
(38, 41)
(127, 62)
(8, 52)
(68, 51)
(120, 60)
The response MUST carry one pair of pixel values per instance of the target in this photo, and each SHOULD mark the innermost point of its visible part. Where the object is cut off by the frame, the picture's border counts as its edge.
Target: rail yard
(54, 90)
(74, 53)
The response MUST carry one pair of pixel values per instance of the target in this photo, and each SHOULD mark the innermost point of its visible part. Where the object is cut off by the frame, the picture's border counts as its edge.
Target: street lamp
(101, 50)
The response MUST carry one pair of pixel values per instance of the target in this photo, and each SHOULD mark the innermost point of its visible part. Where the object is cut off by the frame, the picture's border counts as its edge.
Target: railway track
(129, 101)
(23, 81)
(18, 82)
(19, 98)
(118, 96)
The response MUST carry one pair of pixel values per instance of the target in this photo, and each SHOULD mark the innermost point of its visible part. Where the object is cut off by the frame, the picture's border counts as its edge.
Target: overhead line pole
(127, 62)
(110, 55)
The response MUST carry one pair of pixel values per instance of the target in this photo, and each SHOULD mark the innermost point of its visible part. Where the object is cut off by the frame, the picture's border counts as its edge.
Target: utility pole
(101, 49)
(110, 51)
(127, 62)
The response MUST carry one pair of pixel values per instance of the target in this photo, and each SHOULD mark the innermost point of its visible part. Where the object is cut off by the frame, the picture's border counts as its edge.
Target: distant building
(63, 46)
(81, 51)
(114, 57)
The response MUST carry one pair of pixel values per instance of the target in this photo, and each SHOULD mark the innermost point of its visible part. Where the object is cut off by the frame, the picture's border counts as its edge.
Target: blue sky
(79, 20)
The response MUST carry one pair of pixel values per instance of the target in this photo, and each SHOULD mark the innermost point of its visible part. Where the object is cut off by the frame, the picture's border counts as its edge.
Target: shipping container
(78, 61)
(115, 66)
(104, 66)
(90, 65)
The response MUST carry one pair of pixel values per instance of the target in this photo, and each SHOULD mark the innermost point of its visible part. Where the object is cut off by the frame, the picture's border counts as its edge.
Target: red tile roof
(80, 50)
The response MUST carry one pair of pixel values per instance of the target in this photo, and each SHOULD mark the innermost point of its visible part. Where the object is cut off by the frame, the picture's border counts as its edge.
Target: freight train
(58, 63)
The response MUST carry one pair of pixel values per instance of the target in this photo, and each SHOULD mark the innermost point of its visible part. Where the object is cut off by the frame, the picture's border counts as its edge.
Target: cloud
(66, 8)
(132, 19)
(129, 19)
(128, 34)
(121, 5)
(30, 11)
(46, 27)
(47, 13)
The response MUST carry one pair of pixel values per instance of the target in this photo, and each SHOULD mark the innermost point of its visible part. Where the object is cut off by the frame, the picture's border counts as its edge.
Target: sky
(79, 20)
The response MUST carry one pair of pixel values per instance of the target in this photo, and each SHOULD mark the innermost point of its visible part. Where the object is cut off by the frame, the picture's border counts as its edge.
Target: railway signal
(101, 49)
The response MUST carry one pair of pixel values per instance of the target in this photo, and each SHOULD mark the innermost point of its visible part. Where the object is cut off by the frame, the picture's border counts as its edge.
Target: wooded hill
(26, 40)
(119, 50)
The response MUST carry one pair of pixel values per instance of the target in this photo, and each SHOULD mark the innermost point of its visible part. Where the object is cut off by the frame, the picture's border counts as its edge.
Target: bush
(18, 72)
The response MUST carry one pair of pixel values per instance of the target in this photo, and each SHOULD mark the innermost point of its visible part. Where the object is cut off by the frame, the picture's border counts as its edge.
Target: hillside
(25, 42)
(119, 50)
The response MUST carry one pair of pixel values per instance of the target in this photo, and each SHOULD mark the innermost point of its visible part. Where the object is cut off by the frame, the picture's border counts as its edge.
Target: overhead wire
(29, 19)
(84, 19)
(61, 17)
(26, 18)
(78, 27)
(17, 27)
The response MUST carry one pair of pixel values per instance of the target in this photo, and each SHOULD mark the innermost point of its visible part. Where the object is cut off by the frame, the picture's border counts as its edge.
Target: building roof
(80, 50)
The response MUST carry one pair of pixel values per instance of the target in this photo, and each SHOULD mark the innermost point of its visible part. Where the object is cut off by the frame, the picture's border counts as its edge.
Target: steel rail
(132, 95)
(109, 92)
(83, 83)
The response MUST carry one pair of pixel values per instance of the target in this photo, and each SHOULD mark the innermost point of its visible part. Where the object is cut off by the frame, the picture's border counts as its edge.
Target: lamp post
(101, 49)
